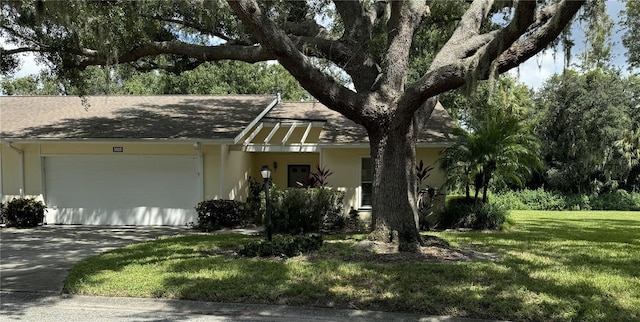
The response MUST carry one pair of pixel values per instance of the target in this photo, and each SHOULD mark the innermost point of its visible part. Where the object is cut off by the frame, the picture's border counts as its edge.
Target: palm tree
(495, 146)
(629, 148)
(458, 161)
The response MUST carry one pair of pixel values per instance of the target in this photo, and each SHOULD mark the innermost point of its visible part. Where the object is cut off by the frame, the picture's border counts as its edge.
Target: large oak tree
(373, 42)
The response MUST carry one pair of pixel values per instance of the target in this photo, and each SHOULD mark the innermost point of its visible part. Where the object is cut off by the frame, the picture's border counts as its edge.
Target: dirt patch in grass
(435, 250)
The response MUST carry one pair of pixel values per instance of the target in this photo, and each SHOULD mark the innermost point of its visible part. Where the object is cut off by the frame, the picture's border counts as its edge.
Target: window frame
(361, 193)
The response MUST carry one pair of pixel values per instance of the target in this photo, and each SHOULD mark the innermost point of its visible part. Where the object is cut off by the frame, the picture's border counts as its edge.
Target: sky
(533, 72)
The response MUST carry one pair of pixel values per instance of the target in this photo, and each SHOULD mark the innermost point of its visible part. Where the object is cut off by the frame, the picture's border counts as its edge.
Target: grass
(553, 266)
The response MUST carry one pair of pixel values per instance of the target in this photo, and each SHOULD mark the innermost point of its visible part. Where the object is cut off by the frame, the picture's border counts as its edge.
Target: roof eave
(109, 140)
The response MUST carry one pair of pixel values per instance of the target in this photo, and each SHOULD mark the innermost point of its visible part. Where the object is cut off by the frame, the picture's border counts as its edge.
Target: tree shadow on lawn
(504, 290)
(556, 259)
(606, 245)
(513, 288)
(146, 253)
(478, 290)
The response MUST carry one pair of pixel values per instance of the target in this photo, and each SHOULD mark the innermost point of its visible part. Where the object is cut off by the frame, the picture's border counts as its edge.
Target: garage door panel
(140, 216)
(123, 190)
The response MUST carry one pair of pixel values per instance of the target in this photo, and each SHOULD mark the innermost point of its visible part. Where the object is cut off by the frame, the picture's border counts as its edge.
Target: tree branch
(358, 24)
(472, 20)
(557, 17)
(357, 21)
(403, 22)
(249, 54)
(505, 50)
(20, 50)
(19, 35)
(198, 28)
(468, 28)
(523, 18)
(332, 50)
(318, 84)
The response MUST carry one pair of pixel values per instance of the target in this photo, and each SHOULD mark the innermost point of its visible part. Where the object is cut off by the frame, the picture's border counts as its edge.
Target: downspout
(21, 174)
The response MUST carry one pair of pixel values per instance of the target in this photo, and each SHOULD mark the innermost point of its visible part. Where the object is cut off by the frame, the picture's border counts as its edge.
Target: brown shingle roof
(339, 129)
(175, 117)
(108, 117)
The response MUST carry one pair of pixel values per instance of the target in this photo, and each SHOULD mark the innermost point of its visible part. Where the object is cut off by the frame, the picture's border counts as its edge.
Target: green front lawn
(567, 266)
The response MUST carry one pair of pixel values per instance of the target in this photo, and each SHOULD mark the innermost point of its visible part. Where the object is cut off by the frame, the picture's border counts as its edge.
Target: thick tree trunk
(394, 212)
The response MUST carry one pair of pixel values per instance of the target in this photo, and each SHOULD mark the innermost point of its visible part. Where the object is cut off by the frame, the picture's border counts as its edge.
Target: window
(297, 173)
(366, 182)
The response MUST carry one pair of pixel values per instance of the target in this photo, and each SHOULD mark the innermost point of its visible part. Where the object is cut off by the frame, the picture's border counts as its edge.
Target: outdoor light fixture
(265, 172)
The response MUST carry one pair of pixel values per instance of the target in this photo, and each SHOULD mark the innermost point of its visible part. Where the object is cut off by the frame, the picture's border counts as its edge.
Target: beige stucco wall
(225, 172)
(431, 157)
(33, 172)
(210, 169)
(283, 159)
(345, 165)
(11, 181)
(13, 170)
(236, 172)
(129, 148)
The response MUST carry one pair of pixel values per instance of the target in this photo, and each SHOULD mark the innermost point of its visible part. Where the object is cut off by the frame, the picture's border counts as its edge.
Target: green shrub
(353, 223)
(2, 211)
(254, 206)
(617, 200)
(576, 202)
(300, 210)
(509, 200)
(219, 213)
(540, 199)
(468, 213)
(23, 213)
(285, 246)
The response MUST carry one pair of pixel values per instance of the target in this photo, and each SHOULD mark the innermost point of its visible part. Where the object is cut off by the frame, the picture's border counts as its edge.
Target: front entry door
(297, 173)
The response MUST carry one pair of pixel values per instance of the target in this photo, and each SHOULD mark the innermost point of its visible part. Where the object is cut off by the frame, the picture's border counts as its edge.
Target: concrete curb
(231, 311)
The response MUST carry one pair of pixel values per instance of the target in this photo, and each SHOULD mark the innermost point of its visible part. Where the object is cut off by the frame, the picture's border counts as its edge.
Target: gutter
(21, 174)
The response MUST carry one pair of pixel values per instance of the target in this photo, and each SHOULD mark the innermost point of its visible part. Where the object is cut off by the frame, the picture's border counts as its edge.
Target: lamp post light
(265, 172)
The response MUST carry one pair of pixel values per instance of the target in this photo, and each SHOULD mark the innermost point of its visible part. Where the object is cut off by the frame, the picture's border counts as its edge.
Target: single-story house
(148, 160)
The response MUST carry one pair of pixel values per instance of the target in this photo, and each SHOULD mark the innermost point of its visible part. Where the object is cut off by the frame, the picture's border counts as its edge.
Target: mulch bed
(436, 250)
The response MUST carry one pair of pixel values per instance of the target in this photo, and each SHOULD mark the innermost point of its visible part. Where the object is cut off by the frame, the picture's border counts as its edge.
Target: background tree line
(222, 77)
(579, 133)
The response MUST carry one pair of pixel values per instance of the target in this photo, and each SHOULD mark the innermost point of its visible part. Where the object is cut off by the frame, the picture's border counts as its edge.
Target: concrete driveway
(39, 259)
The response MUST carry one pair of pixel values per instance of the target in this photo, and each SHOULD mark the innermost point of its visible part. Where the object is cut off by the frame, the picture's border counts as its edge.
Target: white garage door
(121, 190)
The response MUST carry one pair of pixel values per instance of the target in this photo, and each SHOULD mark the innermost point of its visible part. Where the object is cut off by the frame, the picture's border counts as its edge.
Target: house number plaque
(118, 149)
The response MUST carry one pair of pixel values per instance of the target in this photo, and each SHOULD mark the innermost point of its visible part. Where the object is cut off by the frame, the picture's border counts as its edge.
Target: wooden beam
(257, 119)
(286, 137)
(273, 131)
(306, 133)
(253, 134)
